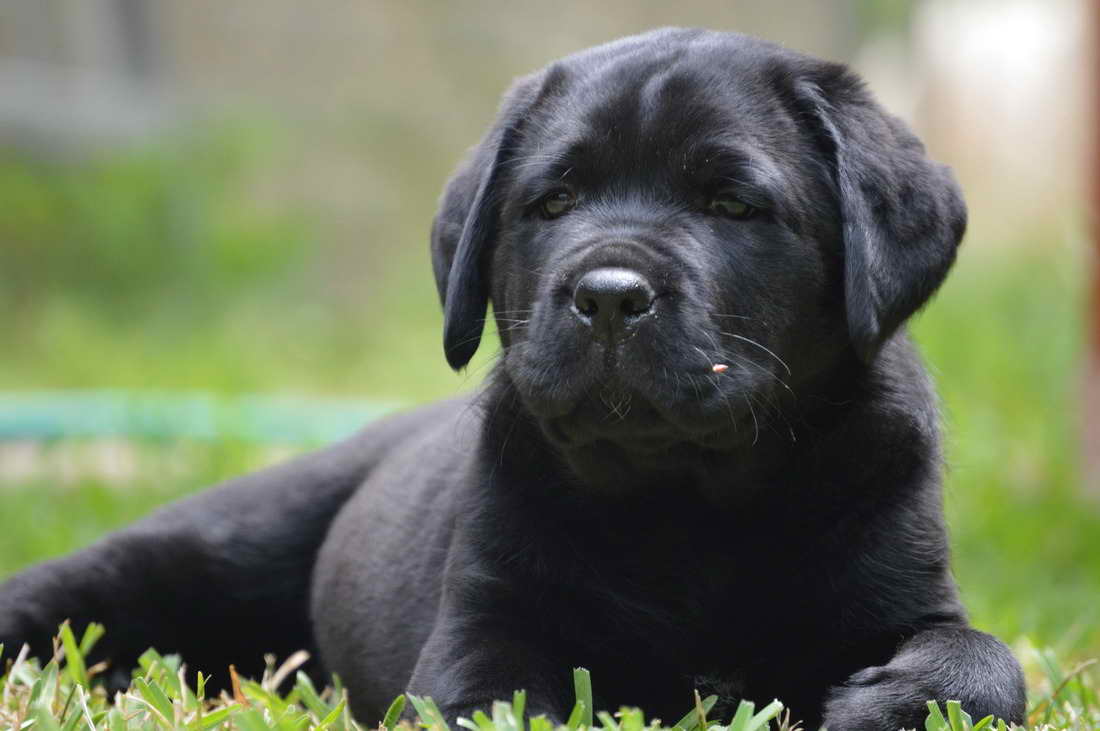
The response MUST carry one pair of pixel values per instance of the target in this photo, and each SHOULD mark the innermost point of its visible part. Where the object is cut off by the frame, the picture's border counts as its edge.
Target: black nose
(612, 300)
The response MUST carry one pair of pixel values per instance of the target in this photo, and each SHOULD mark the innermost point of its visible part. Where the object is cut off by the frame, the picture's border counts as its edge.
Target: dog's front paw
(877, 699)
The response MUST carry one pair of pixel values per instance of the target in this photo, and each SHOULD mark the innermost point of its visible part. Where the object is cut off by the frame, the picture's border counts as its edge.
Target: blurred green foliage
(884, 15)
(170, 267)
(164, 226)
(45, 518)
(1004, 340)
(175, 265)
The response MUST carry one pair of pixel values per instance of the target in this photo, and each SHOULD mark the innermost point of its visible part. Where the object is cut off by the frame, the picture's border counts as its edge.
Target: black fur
(771, 529)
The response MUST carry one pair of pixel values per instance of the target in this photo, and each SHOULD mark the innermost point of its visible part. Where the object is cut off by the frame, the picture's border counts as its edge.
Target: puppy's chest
(689, 593)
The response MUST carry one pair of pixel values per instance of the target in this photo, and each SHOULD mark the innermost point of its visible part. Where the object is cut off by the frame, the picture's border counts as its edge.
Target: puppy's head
(678, 229)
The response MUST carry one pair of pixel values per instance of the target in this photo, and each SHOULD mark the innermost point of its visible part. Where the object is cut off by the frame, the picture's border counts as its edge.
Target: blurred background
(214, 223)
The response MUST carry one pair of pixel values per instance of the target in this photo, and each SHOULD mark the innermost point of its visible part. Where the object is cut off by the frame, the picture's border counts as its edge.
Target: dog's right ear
(465, 227)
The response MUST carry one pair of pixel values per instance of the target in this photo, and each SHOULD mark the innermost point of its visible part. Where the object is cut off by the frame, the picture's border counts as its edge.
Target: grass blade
(576, 717)
(693, 720)
(608, 721)
(631, 719)
(83, 700)
(74, 661)
(309, 696)
(249, 719)
(45, 687)
(115, 721)
(484, 723)
(983, 724)
(156, 698)
(212, 719)
(960, 720)
(44, 720)
(430, 715)
(935, 720)
(393, 713)
(519, 705)
(742, 717)
(582, 685)
(332, 717)
(760, 720)
(92, 634)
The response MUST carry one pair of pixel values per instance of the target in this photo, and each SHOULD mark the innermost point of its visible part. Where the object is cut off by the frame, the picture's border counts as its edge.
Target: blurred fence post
(1092, 366)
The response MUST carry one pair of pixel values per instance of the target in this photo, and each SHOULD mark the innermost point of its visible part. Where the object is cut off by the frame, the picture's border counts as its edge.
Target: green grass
(46, 517)
(62, 694)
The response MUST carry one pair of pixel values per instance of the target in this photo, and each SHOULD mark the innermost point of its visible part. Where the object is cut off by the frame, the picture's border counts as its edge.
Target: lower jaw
(640, 442)
(662, 435)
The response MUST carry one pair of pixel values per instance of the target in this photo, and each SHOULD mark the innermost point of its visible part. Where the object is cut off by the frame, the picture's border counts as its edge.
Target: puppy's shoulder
(394, 433)
(883, 426)
(428, 438)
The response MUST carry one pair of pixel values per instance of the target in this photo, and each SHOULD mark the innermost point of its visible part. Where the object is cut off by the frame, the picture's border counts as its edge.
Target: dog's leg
(468, 662)
(222, 576)
(943, 663)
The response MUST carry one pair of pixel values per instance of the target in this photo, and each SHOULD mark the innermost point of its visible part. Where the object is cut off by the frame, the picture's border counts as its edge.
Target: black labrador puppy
(708, 456)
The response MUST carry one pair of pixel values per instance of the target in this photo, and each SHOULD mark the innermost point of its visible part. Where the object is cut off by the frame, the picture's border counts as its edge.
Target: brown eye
(728, 206)
(557, 204)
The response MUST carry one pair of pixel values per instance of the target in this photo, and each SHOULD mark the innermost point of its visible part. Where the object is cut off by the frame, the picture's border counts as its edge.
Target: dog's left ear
(903, 214)
(465, 228)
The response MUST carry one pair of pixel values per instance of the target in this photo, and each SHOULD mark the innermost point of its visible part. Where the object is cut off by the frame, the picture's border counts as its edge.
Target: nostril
(611, 299)
(637, 303)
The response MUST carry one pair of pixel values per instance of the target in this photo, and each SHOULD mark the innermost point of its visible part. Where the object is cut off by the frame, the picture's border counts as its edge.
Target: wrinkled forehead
(655, 110)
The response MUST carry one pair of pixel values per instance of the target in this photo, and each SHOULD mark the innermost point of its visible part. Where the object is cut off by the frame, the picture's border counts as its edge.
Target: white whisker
(750, 341)
(755, 423)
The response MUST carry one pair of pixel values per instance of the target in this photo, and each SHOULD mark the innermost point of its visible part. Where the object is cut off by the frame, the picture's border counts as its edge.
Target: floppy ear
(465, 229)
(902, 214)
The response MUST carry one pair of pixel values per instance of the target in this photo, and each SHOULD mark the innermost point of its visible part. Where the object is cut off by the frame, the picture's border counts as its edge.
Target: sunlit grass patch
(63, 695)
